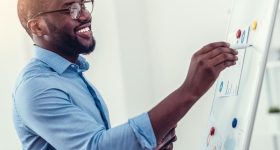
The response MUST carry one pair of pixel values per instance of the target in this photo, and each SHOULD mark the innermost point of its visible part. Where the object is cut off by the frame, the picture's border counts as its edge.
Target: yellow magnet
(254, 25)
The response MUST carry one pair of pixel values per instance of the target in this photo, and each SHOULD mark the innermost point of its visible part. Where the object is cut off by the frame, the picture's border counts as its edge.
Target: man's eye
(66, 12)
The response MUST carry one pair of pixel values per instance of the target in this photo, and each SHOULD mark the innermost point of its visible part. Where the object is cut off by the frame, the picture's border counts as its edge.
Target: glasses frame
(66, 10)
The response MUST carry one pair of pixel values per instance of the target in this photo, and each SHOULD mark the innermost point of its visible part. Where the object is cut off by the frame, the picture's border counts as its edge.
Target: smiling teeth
(86, 29)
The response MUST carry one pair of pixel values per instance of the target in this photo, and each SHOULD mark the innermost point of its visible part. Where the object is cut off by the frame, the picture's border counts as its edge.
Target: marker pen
(240, 46)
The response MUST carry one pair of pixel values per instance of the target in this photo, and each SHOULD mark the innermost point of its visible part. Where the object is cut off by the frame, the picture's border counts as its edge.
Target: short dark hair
(28, 8)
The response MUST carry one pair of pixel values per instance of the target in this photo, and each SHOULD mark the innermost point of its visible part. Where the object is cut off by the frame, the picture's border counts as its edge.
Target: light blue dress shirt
(55, 107)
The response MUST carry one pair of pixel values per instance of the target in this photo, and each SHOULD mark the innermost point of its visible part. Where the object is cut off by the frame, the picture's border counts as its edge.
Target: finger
(224, 65)
(218, 51)
(170, 141)
(223, 58)
(173, 139)
(169, 147)
(167, 139)
(212, 46)
(167, 142)
(170, 134)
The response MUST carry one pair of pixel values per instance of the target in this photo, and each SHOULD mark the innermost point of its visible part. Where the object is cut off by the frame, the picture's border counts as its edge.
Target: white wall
(142, 54)
(12, 59)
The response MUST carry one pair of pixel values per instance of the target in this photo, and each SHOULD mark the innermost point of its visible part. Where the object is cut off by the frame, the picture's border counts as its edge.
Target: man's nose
(85, 16)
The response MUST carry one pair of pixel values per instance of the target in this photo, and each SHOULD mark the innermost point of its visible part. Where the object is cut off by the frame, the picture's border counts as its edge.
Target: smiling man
(55, 107)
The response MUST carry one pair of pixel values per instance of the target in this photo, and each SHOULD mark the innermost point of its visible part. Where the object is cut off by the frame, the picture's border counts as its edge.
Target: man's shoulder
(36, 68)
(36, 72)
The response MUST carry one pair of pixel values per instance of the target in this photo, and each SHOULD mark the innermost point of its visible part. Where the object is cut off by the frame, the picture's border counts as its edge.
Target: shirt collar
(58, 63)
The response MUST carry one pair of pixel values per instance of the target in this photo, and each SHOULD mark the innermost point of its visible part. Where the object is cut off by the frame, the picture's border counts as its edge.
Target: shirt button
(75, 67)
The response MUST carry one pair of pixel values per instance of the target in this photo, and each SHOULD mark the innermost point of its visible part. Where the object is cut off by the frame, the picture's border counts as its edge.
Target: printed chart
(229, 80)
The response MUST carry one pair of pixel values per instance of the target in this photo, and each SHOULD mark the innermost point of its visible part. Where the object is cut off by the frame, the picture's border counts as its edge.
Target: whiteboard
(238, 88)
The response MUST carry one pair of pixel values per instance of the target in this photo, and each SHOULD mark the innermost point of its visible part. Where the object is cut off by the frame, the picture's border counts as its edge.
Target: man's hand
(167, 142)
(206, 65)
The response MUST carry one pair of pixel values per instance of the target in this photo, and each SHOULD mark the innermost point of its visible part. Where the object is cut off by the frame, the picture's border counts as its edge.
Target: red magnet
(212, 131)
(238, 34)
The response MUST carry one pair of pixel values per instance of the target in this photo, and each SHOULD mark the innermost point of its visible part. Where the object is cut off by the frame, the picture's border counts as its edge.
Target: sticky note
(254, 25)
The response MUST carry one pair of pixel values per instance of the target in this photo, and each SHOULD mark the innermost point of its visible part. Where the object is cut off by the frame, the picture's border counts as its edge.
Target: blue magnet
(234, 123)
(243, 36)
(221, 86)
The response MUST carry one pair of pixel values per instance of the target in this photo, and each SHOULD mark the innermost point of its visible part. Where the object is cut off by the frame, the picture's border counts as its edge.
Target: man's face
(69, 36)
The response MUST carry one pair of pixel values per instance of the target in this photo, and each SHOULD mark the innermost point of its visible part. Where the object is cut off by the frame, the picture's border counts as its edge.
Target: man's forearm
(167, 113)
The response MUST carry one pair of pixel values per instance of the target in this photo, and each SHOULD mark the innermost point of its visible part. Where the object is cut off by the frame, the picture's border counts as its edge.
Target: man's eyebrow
(67, 4)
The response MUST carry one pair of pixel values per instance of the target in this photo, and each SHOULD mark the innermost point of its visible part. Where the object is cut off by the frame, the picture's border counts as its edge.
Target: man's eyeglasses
(74, 10)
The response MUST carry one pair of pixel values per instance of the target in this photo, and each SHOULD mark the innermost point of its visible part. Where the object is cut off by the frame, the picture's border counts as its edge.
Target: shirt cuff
(142, 128)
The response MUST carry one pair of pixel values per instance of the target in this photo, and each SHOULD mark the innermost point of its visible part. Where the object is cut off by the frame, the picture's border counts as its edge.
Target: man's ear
(37, 27)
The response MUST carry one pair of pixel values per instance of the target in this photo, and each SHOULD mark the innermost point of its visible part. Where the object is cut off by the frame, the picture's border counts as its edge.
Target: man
(55, 107)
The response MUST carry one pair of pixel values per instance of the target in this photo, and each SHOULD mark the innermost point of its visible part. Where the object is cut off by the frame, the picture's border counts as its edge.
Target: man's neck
(70, 57)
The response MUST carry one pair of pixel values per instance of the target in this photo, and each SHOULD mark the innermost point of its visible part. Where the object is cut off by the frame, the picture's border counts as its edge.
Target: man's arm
(205, 67)
(51, 115)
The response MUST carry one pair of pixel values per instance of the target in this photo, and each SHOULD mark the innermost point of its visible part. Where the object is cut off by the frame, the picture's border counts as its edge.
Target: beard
(67, 42)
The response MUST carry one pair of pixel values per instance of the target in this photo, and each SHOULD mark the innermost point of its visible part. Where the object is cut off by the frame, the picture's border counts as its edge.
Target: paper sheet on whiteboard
(230, 78)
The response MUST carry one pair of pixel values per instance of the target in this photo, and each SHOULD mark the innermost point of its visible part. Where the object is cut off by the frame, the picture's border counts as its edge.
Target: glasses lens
(88, 5)
(75, 10)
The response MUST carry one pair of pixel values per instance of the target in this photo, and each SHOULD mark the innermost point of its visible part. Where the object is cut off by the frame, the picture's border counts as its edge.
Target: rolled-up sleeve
(49, 112)
(143, 131)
